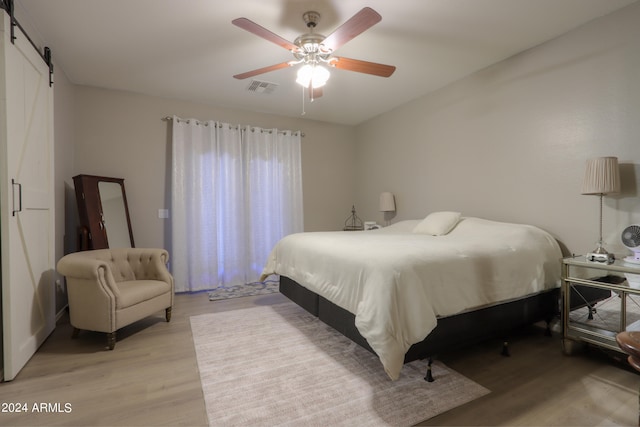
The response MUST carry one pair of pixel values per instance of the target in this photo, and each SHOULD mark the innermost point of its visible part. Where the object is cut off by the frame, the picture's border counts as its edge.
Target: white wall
(64, 120)
(122, 135)
(510, 142)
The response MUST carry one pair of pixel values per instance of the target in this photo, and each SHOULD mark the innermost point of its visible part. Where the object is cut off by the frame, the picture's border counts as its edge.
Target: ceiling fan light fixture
(312, 75)
(312, 49)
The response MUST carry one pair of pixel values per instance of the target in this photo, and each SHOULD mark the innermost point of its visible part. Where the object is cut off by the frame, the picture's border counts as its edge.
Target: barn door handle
(13, 189)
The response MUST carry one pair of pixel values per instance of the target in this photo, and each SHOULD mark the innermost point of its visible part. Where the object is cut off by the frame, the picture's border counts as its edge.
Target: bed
(418, 287)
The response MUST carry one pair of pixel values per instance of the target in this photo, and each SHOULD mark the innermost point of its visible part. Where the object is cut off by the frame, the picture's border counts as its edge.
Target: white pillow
(438, 223)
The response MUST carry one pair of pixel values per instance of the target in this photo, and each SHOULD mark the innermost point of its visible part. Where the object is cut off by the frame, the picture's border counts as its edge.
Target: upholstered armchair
(112, 288)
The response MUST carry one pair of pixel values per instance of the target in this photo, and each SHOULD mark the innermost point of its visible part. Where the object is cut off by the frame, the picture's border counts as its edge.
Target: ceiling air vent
(258, 86)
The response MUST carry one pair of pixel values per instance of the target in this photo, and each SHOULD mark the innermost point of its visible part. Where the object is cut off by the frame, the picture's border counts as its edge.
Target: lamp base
(600, 254)
(601, 257)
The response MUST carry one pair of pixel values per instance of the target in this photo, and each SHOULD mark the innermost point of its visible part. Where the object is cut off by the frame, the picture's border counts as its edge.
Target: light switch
(163, 213)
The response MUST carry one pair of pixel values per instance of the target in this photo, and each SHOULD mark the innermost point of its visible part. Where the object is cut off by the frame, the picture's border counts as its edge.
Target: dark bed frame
(451, 332)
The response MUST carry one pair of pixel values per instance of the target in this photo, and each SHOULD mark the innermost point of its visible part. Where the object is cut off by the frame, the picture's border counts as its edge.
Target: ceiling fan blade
(357, 24)
(374, 68)
(262, 70)
(314, 92)
(260, 31)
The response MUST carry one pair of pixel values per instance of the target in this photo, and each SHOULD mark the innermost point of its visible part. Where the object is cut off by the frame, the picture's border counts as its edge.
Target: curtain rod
(169, 119)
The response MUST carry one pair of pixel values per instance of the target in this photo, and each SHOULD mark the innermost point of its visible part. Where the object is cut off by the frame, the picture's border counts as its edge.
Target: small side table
(629, 342)
(598, 326)
(353, 223)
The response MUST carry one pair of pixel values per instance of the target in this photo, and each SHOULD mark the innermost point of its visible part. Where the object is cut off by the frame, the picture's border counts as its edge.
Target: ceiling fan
(313, 50)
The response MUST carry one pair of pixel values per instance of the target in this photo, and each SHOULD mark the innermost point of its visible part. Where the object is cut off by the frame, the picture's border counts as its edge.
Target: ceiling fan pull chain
(303, 112)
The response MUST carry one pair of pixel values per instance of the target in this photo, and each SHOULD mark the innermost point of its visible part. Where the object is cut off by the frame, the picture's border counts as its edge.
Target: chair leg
(167, 313)
(111, 340)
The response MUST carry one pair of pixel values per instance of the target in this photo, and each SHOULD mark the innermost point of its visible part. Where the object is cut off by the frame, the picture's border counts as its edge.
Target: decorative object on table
(353, 223)
(371, 225)
(387, 204)
(631, 239)
(602, 176)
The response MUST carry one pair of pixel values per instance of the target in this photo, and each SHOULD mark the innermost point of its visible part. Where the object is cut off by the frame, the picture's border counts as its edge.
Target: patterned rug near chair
(246, 290)
(279, 365)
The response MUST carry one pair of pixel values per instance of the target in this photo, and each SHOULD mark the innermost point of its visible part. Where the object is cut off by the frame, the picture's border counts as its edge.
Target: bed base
(452, 332)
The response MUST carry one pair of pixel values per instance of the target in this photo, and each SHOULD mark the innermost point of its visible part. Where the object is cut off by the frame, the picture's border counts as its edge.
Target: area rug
(246, 290)
(278, 365)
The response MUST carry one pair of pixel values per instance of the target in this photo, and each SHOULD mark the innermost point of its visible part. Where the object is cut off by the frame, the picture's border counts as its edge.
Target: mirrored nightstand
(597, 302)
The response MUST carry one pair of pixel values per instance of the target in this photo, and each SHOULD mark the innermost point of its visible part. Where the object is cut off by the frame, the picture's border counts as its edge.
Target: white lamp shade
(315, 75)
(387, 202)
(602, 176)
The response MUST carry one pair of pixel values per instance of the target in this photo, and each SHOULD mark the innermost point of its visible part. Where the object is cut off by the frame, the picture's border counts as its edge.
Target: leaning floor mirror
(103, 213)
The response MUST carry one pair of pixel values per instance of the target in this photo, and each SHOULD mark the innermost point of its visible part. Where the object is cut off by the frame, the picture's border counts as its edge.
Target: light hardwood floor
(151, 378)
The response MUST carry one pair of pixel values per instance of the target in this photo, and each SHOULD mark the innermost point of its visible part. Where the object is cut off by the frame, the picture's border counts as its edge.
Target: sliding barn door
(26, 191)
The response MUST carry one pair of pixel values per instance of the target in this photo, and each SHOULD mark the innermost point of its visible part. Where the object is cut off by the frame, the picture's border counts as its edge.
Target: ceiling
(189, 50)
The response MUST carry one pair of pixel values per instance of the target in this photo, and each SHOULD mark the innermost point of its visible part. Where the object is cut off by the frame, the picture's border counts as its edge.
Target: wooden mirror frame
(92, 233)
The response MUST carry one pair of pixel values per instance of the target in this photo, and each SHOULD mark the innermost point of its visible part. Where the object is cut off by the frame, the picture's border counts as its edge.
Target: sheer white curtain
(234, 194)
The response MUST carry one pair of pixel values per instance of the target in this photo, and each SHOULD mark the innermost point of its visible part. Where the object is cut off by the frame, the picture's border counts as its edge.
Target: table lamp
(602, 176)
(387, 204)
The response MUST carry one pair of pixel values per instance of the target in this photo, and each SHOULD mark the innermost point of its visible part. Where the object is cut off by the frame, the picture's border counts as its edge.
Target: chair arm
(79, 268)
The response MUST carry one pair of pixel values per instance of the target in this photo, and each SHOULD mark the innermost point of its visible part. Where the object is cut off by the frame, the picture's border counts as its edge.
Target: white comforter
(397, 282)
